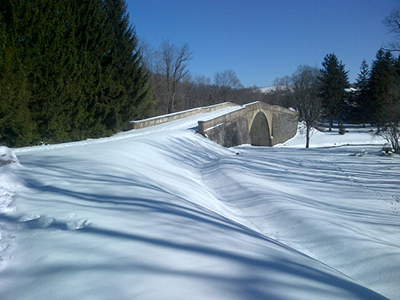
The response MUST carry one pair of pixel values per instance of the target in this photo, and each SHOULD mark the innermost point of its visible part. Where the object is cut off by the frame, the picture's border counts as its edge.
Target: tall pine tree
(128, 89)
(381, 84)
(384, 86)
(362, 95)
(16, 124)
(69, 70)
(333, 82)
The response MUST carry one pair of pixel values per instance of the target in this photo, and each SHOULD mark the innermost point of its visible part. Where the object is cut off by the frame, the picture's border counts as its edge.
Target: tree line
(327, 94)
(69, 70)
(174, 88)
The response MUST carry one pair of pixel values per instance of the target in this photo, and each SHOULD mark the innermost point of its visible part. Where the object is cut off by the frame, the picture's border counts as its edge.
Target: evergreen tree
(93, 38)
(69, 70)
(381, 83)
(384, 86)
(16, 125)
(362, 95)
(51, 56)
(333, 82)
(128, 90)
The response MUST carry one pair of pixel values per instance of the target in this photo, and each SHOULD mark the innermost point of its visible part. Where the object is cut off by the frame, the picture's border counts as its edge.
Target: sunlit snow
(164, 213)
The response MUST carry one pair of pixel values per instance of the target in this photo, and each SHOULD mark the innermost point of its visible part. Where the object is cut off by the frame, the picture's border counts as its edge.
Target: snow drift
(167, 214)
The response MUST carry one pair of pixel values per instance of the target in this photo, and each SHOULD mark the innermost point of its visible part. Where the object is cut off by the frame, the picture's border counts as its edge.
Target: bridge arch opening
(259, 131)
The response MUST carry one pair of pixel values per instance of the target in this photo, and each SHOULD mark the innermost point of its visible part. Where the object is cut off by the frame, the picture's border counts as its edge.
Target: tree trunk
(308, 137)
(171, 103)
(170, 106)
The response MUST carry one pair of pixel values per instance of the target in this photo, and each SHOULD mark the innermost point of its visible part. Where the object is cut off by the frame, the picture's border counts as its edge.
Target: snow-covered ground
(273, 88)
(163, 213)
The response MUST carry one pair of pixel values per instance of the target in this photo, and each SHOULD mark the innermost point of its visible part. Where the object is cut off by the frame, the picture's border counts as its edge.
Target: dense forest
(69, 70)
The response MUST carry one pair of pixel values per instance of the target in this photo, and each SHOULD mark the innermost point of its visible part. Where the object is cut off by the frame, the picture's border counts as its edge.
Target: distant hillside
(272, 89)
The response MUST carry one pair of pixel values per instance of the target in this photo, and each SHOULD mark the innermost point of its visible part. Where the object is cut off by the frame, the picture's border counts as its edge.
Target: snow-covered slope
(273, 88)
(163, 213)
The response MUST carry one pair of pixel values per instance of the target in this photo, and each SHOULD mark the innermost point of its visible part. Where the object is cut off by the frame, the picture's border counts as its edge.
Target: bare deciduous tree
(147, 51)
(197, 92)
(172, 62)
(391, 129)
(227, 83)
(282, 93)
(306, 96)
(392, 22)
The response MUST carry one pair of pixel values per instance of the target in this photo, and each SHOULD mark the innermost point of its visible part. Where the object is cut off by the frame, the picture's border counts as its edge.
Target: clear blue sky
(262, 40)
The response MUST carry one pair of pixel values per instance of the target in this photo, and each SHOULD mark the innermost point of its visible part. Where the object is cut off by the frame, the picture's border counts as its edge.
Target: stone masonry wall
(176, 116)
(234, 128)
(284, 126)
(230, 133)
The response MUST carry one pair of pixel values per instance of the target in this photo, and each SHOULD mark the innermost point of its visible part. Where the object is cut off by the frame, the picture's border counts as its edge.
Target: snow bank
(163, 213)
(7, 156)
(355, 135)
(10, 184)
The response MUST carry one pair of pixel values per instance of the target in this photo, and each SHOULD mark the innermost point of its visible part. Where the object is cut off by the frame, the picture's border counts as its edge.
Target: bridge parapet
(211, 123)
(176, 116)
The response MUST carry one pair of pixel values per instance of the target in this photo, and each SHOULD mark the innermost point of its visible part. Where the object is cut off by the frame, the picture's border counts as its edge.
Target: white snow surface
(273, 88)
(164, 213)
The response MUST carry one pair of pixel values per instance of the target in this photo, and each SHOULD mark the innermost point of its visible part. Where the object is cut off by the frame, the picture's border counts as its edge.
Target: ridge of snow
(164, 213)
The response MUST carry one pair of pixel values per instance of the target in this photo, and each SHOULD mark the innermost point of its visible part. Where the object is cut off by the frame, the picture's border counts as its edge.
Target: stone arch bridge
(257, 123)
